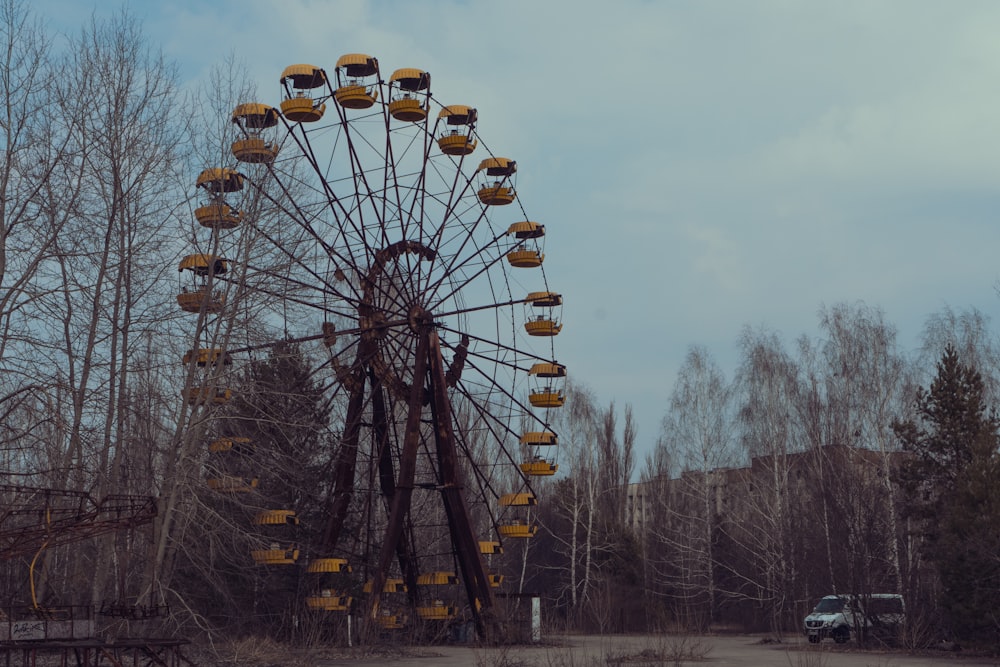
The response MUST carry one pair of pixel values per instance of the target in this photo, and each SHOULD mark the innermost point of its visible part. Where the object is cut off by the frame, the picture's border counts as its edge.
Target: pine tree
(280, 422)
(950, 480)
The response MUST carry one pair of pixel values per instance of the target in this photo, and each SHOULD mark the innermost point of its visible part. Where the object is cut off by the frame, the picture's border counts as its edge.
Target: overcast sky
(700, 165)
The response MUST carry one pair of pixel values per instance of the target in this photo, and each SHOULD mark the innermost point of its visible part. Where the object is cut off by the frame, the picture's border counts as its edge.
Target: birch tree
(698, 429)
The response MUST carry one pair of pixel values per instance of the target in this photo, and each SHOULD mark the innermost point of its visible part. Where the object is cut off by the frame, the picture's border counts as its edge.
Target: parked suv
(836, 616)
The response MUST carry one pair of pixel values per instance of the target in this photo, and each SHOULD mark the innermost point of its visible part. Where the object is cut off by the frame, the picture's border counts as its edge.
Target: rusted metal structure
(32, 518)
(411, 253)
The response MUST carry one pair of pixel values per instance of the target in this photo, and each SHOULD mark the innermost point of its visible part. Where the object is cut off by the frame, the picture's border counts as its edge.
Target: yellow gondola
(329, 566)
(329, 600)
(460, 122)
(391, 585)
(254, 118)
(198, 300)
(299, 106)
(437, 579)
(357, 74)
(547, 398)
(539, 468)
(207, 357)
(539, 438)
(499, 192)
(220, 180)
(276, 518)
(490, 547)
(391, 621)
(525, 258)
(201, 395)
(275, 555)
(518, 500)
(408, 94)
(437, 611)
(518, 530)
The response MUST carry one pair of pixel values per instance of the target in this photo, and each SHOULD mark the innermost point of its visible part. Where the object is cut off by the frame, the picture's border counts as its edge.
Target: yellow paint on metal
(195, 301)
(304, 76)
(544, 299)
(407, 109)
(539, 438)
(410, 78)
(220, 179)
(498, 166)
(357, 64)
(526, 230)
(542, 327)
(518, 500)
(276, 518)
(328, 565)
(458, 114)
(204, 356)
(490, 547)
(218, 216)
(275, 556)
(255, 116)
(200, 263)
(539, 468)
(525, 259)
(518, 530)
(547, 370)
(546, 399)
(254, 150)
(456, 144)
(496, 195)
(391, 586)
(437, 579)
(438, 611)
(302, 110)
(354, 97)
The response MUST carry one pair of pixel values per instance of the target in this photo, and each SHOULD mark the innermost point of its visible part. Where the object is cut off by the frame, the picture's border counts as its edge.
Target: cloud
(698, 165)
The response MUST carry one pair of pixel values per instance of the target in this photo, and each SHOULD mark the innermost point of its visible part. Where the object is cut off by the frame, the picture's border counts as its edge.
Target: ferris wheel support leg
(470, 559)
(400, 507)
(387, 481)
(347, 458)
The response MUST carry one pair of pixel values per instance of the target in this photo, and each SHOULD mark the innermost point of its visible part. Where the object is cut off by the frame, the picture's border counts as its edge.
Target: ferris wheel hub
(419, 318)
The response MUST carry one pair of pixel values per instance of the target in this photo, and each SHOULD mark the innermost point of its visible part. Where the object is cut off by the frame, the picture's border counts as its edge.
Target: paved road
(722, 651)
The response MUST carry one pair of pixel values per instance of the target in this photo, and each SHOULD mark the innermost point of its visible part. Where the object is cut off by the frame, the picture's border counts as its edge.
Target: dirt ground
(639, 651)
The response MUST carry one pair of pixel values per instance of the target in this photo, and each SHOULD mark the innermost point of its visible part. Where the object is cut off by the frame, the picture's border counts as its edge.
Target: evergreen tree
(950, 480)
(278, 421)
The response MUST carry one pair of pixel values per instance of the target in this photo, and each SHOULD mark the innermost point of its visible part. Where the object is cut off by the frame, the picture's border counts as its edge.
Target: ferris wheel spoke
(301, 137)
(505, 347)
(454, 270)
(297, 214)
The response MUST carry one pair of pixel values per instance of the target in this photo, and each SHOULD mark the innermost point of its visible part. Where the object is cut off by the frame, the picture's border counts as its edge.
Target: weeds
(813, 658)
(501, 656)
(663, 651)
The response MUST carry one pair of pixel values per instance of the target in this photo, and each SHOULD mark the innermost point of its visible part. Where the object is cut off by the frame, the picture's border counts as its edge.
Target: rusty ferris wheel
(437, 329)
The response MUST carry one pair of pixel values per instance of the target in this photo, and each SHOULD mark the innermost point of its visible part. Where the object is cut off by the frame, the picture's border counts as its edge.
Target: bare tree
(767, 383)
(868, 385)
(698, 432)
(35, 150)
(968, 333)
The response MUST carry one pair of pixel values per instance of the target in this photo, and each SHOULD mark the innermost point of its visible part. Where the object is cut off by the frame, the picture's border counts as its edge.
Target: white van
(836, 616)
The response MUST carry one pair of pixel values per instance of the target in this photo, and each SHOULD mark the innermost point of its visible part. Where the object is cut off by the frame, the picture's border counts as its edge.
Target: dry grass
(806, 658)
(264, 652)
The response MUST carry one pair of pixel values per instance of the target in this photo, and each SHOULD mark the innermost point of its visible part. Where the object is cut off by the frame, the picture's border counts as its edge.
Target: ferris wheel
(390, 239)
